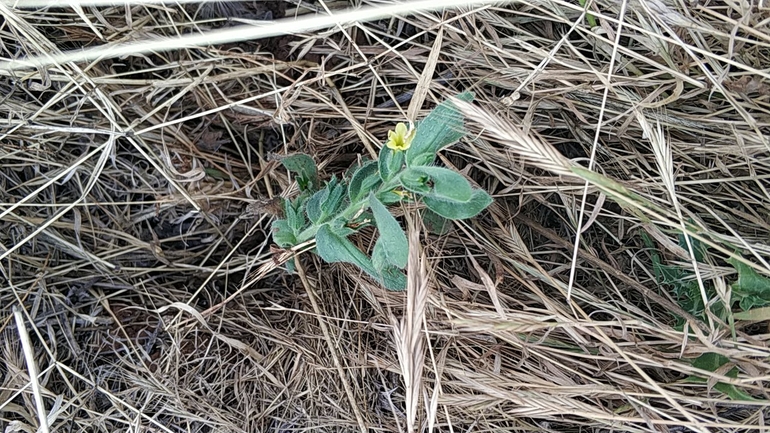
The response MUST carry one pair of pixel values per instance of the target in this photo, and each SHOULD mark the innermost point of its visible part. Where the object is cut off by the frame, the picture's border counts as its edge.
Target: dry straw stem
(409, 332)
(128, 186)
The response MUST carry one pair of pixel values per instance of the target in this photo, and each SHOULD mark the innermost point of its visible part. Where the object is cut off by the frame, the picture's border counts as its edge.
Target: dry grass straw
(134, 217)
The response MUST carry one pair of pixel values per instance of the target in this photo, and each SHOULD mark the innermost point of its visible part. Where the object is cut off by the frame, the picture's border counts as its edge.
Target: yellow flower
(401, 138)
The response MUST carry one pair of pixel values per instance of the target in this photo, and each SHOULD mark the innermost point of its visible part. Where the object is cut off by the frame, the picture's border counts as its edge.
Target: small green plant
(404, 172)
(750, 291)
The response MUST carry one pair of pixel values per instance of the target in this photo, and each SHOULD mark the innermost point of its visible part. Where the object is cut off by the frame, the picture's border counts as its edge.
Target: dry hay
(140, 265)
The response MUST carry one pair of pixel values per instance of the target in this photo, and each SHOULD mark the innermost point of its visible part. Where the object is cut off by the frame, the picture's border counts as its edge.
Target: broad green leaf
(752, 289)
(364, 180)
(283, 235)
(446, 184)
(456, 210)
(340, 227)
(390, 163)
(415, 182)
(392, 238)
(333, 248)
(442, 127)
(304, 166)
(435, 223)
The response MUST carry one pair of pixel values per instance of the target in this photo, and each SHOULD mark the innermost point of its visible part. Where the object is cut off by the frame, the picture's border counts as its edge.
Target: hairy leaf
(390, 163)
(283, 235)
(446, 184)
(333, 248)
(313, 207)
(454, 210)
(415, 182)
(392, 238)
(442, 127)
(304, 166)
(364, 180)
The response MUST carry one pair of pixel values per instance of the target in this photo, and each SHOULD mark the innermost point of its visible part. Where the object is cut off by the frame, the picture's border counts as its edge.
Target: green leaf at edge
(711, 361)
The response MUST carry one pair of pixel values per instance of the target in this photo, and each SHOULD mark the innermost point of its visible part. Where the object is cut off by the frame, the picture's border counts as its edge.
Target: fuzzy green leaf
(415, 182)
(333, 248)
(365, 179)
(283, 235)
(389, 197)
(392, 238)
(294, 216)
(379, 259)
(446, 184)
(304, 166)
(313, 207)
(442, 127)
(390, 163)
(454, 210)
(338, 191)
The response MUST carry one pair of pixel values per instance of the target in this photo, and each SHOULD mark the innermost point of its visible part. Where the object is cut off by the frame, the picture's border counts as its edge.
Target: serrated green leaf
(283, 235)
(752, 289)
(699, 248)
(442, 127)
(392, 238)
(456, 210)
(446, 184)
(365, 179)
(333, 248)
(390, 163)
(710, 361)
(305, 167)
